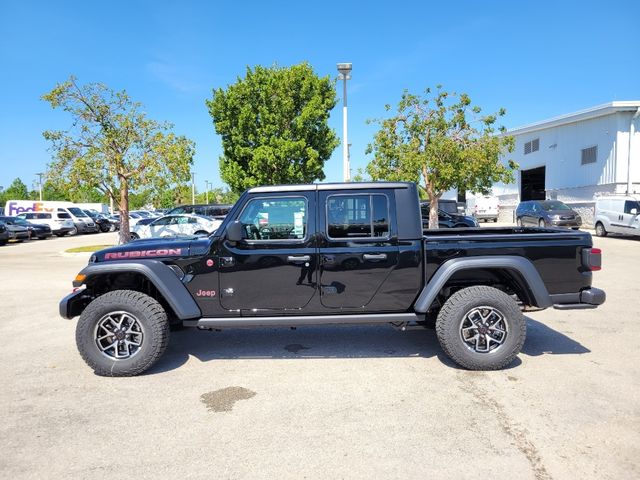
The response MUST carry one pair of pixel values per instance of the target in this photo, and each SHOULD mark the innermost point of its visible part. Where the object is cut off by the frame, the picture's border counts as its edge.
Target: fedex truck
(59, 211)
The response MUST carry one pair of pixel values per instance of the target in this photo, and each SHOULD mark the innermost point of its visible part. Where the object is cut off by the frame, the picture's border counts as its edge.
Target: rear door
(358, 246)
(273, 269)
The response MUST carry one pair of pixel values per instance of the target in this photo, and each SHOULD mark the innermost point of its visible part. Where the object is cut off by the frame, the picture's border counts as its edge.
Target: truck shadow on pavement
(377, 341)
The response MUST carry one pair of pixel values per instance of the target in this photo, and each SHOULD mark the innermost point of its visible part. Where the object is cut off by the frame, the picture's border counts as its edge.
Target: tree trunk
(433, 206)
(125, 233)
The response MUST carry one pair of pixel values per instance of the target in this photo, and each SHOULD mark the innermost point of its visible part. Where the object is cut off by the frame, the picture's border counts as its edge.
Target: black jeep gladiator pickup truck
(330, 254)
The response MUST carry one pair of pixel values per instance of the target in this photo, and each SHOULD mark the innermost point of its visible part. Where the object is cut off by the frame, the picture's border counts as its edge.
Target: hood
(562, 213)
(154, 248)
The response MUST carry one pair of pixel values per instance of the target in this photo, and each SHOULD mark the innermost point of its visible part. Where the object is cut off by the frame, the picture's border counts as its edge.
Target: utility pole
(193, 188)
(345, 74)
(40, 183)
(206, 189)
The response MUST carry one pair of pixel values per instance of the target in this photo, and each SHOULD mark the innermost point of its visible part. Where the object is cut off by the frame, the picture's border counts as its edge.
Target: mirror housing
(634, 211)
(234, 231)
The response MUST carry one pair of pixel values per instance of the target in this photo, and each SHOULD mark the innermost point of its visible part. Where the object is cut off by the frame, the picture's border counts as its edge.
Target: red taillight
(595, 259)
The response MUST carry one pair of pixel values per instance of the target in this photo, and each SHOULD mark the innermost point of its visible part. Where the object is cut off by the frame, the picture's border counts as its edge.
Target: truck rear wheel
(122, 333)
(481, 328)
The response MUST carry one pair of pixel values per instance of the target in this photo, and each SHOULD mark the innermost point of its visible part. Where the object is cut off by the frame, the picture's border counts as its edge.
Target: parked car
(146, 221)
(17, 231)
(176, 225)
(447, 219)
(484, 207)
(103, 222)
(60, 223)
(617, 214)
(267, 266)
(134, 218)
(4, 233)
(547, 213)
(212, 210)
(40, 231)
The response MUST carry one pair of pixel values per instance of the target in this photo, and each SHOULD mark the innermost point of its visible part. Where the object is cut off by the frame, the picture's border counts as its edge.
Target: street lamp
(40, 183)
(206, 189)
(345, 74)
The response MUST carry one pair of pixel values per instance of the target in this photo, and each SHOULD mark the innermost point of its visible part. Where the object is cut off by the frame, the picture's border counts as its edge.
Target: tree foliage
(273, 124)
(113, 147)
(442, 141)
(16, 191)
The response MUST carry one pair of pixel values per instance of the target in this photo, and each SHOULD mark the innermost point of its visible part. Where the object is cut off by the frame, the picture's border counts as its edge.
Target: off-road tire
(600, 230)
(149, 314)
(452, 315)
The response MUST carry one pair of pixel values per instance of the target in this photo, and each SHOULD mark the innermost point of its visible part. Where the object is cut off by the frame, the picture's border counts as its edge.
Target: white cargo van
(484, 207)
(617, 214)
(82, 223)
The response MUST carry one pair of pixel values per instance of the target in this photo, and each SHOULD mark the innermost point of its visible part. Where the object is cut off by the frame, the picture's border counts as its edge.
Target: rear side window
(43, 216)
(357, 216)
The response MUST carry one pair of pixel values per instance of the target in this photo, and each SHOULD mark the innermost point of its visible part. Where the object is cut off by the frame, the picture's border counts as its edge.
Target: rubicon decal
(162, 252)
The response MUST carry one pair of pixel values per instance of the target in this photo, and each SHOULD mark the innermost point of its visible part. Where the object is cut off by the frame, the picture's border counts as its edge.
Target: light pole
(193, 188)
(40, 183)
(206, 189)
(345, 74)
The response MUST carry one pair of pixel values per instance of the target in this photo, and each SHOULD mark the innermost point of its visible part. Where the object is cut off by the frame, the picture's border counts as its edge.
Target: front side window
(357, 216)
(283, 218)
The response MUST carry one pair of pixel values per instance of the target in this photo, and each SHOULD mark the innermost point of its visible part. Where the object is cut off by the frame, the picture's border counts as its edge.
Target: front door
(274, 267)
(358, 247)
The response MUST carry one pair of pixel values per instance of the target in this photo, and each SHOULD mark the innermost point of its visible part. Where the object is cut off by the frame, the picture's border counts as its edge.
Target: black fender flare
(520, 265)
(160, 275)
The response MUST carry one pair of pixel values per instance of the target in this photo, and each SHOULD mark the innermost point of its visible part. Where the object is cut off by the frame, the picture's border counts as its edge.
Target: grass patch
(88, 248)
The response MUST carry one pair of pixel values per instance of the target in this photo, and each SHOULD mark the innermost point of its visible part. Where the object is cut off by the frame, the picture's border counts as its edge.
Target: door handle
(297, 259)
(375, 256)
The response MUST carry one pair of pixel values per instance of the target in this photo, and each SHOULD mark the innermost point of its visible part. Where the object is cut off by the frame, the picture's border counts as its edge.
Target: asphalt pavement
(318, 402)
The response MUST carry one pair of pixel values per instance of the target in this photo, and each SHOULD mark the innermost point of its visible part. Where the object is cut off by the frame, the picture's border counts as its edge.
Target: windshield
(77, 212)
(554, 205)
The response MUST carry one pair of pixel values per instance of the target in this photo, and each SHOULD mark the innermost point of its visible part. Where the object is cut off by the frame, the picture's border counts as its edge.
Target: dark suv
(547, 213)
(448, 216)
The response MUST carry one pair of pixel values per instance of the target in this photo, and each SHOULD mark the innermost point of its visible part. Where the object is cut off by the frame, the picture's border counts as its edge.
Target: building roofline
(586, 114)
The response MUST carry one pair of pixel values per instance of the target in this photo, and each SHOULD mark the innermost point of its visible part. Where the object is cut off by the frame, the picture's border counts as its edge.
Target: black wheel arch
(518, 274)
(151, 277)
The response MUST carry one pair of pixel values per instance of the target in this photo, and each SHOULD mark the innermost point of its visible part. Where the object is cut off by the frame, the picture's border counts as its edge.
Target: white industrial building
(575, 157)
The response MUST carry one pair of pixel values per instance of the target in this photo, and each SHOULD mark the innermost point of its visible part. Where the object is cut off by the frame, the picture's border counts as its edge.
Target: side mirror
(234, 231)
(634, 211)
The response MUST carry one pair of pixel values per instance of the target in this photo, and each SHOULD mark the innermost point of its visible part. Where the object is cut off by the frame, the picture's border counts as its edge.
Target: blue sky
(538, 60)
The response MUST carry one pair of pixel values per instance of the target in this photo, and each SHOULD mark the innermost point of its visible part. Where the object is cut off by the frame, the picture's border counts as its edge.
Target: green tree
(273, 124)
(113, 147)
(16, 191)
(444, 141)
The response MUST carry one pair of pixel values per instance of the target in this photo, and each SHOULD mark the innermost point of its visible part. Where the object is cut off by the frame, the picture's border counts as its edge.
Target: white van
(617, 214)
(484, 207)
(60, 223)
(82, 223)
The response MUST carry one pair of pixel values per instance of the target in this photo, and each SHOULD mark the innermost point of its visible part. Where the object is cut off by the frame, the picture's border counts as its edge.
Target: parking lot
(318, 402)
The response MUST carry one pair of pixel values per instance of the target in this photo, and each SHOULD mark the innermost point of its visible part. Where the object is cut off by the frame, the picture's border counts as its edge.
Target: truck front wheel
(122, 333)
(481, 328)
